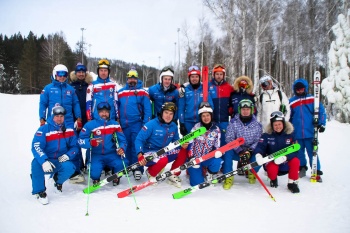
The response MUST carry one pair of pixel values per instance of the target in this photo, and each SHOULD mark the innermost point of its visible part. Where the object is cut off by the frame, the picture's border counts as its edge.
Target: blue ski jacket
(220, 94)
(63, 94)
(189, 104)
(106, 130)
(134, 105)
(155, 135)
(52, 140)
(302, 113)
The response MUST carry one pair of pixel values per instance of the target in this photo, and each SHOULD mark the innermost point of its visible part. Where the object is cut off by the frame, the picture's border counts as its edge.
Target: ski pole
(126, 171)
(88, 167)
(262, 183)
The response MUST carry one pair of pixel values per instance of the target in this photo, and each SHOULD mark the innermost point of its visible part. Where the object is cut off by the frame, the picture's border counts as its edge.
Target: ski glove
(42, 121)
(321, 128)
(244, 156)
(95, 141)
(78, 124)
(183, 129)
(259, 159)
(63, 158)
(280, 160)
(48, 166)
(194, 166)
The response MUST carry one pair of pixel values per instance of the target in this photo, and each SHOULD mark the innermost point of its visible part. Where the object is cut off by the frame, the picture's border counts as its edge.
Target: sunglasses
(193, 68)
(243, 84)
(62, 73)
(276, 114)
(103, 105)
(58, 110)
(167, 68)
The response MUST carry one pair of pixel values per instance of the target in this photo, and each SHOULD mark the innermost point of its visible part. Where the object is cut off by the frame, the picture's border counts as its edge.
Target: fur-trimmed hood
(247, 79)
(288, 128)
(88, 78)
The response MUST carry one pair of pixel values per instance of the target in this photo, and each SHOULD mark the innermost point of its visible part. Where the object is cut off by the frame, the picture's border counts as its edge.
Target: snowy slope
(318, 208)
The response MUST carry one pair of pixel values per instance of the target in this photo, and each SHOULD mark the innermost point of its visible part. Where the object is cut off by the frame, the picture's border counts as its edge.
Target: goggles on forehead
(167, 68)
(132, 74)
(104, 63)
(80, 68)
(103, 105)
(193, 68)
(61, 73)
(58, 110)
(204, 104)
(276, 114)
(169, 106)
(219, 66)
(245, 104)
(243, 84)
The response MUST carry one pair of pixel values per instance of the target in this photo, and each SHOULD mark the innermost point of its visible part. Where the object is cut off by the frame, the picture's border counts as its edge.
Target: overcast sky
(130, 30)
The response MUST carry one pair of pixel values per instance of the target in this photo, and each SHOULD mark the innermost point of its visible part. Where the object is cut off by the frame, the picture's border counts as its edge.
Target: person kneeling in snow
(53, 147)
(204, 144)
(279, 134)
(155, 135)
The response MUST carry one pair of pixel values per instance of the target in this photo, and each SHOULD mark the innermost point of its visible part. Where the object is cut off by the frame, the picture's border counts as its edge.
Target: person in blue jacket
(59, 92)
(155, 135)
(164, 91)
(189, 103)
(54, 146)
(302, 118)
(80, 80)
(278, 135)
(102, 90)
(134, 111)
(107, 142)
(203, 145)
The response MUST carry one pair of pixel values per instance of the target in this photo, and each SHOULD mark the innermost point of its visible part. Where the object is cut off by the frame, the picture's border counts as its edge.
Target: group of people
(122, 127)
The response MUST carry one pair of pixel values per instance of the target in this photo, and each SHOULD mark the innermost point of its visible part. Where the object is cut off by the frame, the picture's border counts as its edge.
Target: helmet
(80, 67)
(58, 110)
(246, 103)
(277, 116)
(132, 73)
(166, 71)
(103, 63)
(193, 70)
(169, 106)
(103, 105)
(265, 80)
(219, 68)
(205, 107)
(60, 70)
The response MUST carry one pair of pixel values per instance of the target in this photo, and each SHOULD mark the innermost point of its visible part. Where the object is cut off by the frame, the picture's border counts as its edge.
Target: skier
(155, 135)
(134, 112)
(53, 148)
(302, 115)
(270, 100)
(102, 90)
(189, 103)
(244, 124)
(164, 91)
(278, 135)
(203, 145)
(80, 80)
(102, 135)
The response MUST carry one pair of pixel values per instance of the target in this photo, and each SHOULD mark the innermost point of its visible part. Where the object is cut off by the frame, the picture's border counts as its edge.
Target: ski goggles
(204, 104)
(58, 110)
(217, 66)
(61, 73)
(167, 68)
(265, 84)
(243, 84)
(80, 68)
(277, 115)
(192, 68)
(132, 74)
(103, 105)
(104, 63)
(169, 106)
(246, 104)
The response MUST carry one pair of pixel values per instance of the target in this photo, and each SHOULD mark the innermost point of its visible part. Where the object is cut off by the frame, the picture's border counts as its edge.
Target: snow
(320, 207)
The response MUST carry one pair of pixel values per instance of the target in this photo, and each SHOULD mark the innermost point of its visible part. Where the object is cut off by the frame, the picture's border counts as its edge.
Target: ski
(219, 179)
(205, 74)
(317, 87)
(134, 166)
(193, 162)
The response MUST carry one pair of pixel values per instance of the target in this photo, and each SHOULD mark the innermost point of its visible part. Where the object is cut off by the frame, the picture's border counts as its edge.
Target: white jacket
(270, 103)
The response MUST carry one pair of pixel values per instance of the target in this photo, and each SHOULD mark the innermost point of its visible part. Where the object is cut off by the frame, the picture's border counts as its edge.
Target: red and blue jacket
(52, 140)
(220, 94)
(302, 113)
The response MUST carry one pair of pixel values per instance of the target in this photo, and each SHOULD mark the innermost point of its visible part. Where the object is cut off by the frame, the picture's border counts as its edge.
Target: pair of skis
(317, 87)
(171, 146)
(216, 153)
(288, 150)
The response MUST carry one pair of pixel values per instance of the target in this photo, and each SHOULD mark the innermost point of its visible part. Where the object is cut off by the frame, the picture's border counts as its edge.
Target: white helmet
(204, 107)
(57, 68)
(166, 71)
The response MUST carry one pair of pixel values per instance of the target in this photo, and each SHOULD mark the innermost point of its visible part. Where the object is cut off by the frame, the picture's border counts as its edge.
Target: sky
(144, 32)
(318, 208)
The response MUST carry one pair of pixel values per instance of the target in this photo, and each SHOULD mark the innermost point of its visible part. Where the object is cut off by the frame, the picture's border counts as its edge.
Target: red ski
(205, 74)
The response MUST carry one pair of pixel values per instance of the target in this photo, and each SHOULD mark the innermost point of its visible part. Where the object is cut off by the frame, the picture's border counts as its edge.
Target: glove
(78, 124)
(42, 121)
(259, 159)
(183, 129)
(95, 141)
(194, 166)
(244, 156)
(280, 160)
(63, 158)
(48, 166)
(321, 128)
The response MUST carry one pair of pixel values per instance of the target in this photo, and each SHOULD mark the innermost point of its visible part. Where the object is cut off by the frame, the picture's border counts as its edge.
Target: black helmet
(277, 116)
